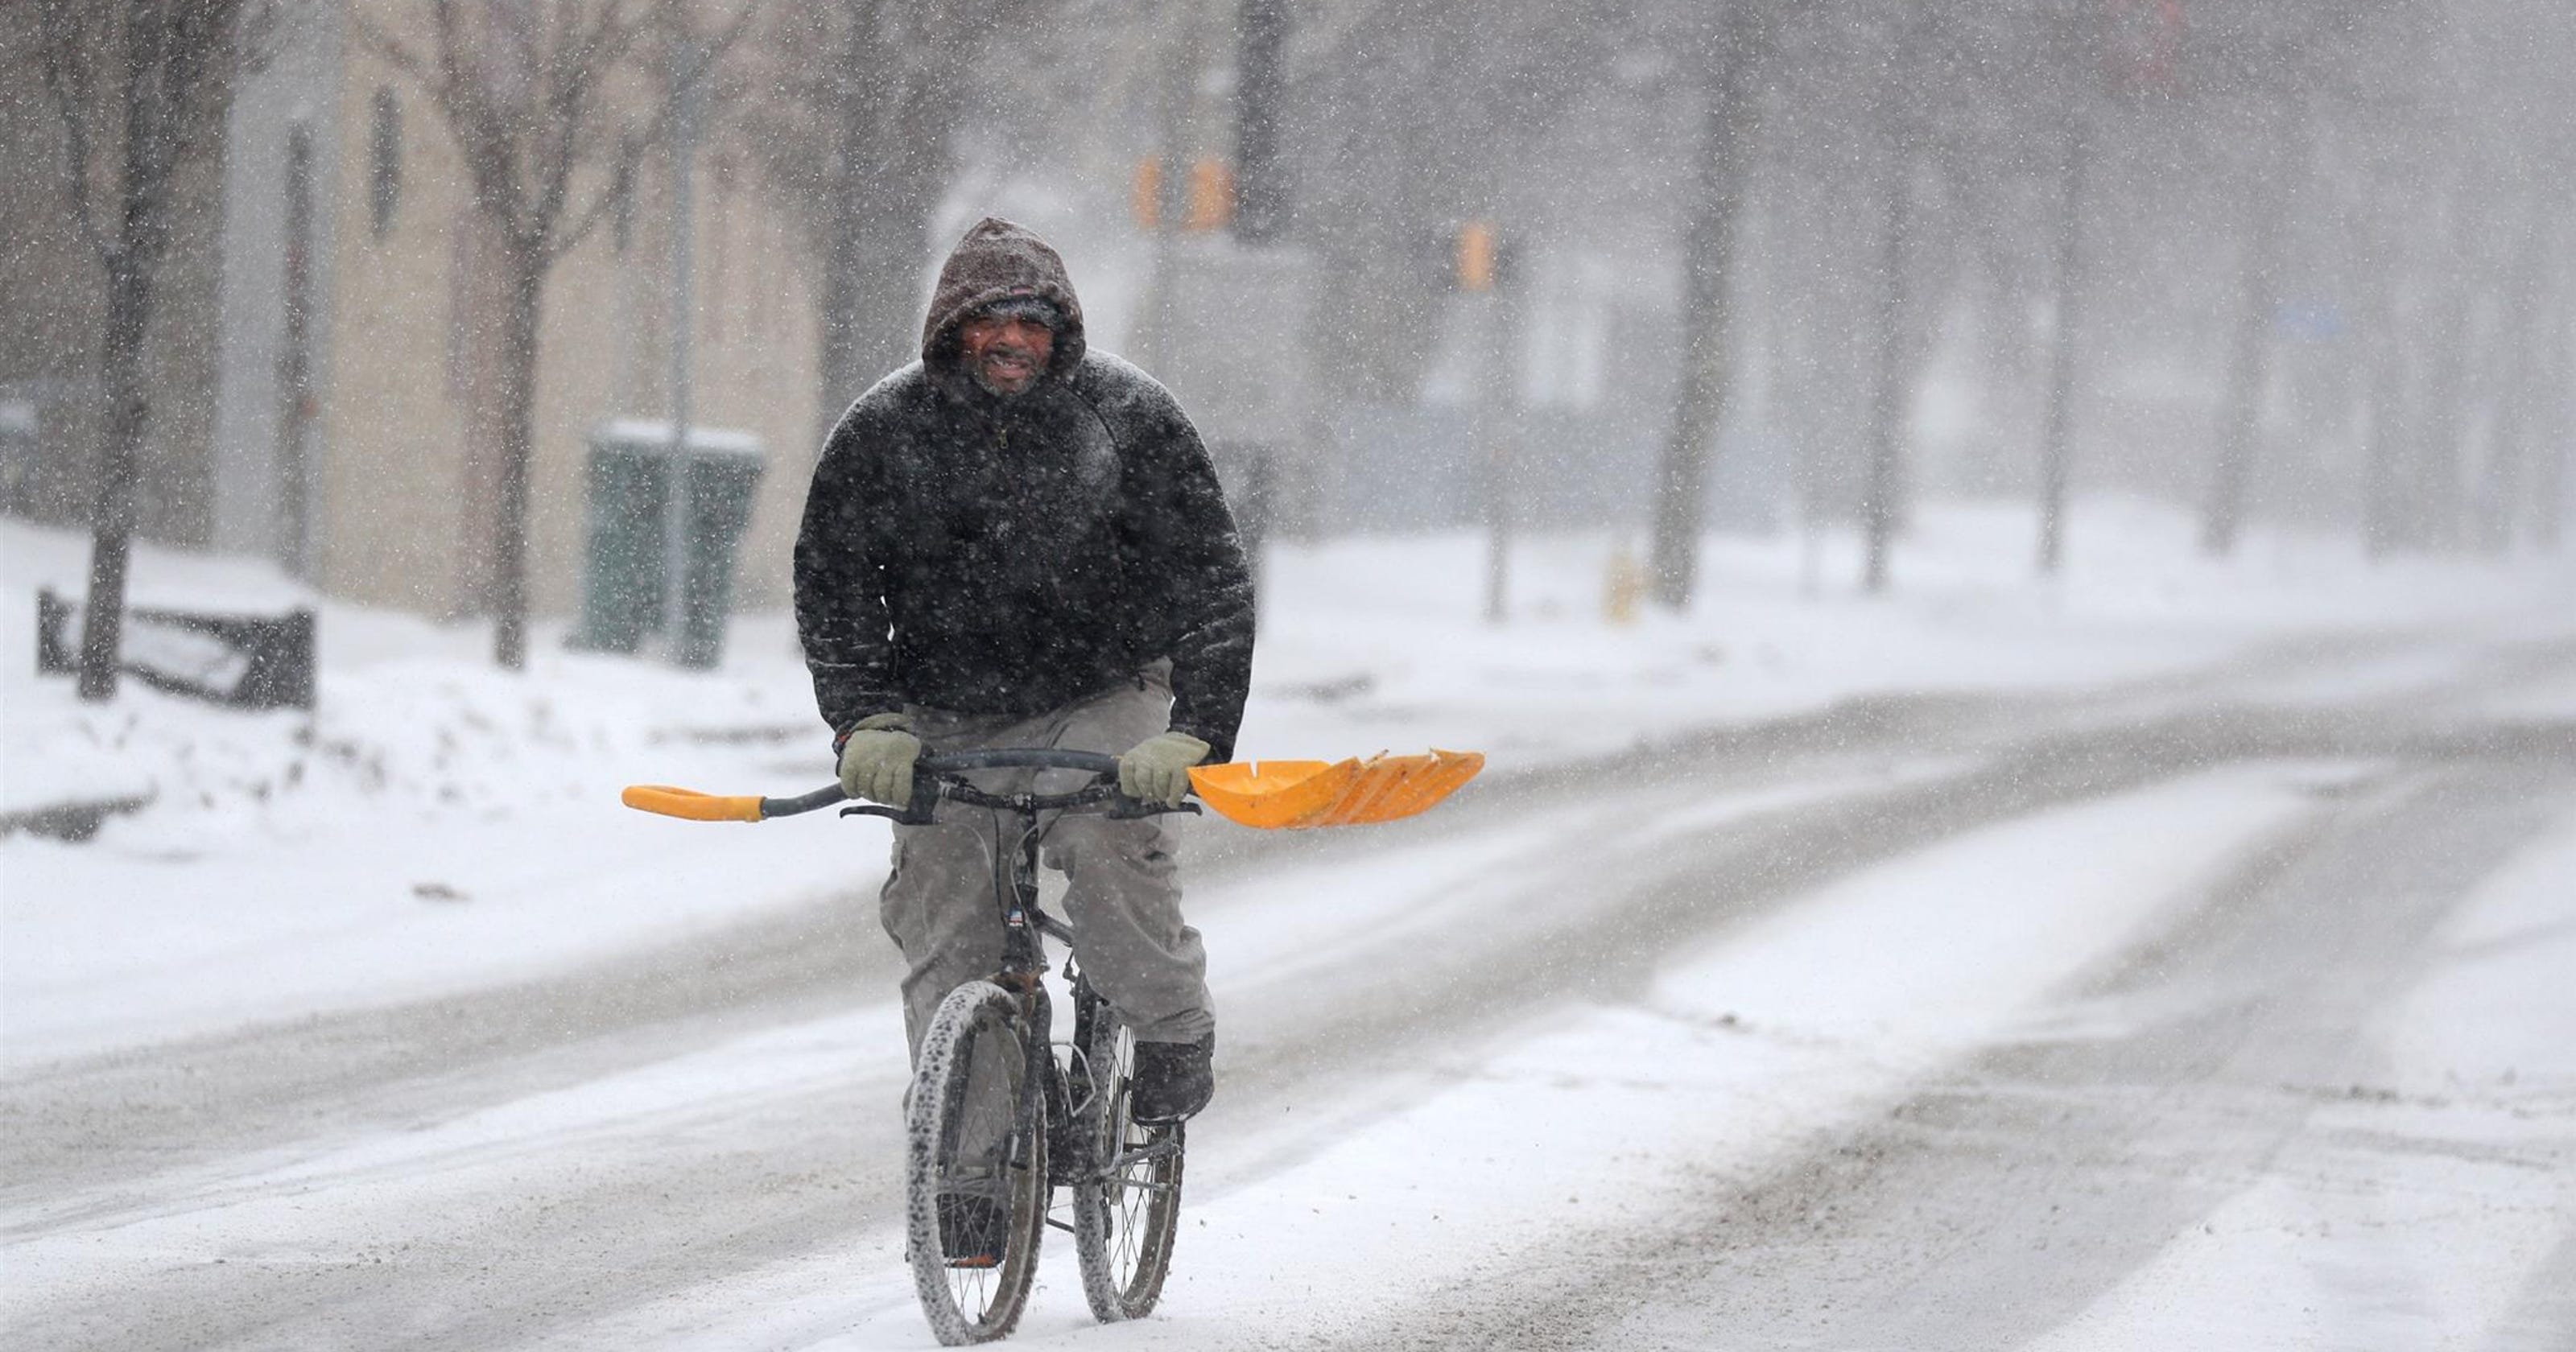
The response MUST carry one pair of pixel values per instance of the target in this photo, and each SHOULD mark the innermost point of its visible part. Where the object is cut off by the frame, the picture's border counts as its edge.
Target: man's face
(1005, 355)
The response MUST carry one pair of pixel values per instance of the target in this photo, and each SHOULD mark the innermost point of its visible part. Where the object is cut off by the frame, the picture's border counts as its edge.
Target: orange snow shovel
(1271, 795)
(1295, 795)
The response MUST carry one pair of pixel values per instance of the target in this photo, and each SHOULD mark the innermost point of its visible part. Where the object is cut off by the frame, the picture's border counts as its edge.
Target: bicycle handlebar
(945, 774)
(944, 770)
(1018, 758)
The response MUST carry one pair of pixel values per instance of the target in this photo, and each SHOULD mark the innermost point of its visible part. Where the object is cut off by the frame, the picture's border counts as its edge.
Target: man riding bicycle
(1019, 542)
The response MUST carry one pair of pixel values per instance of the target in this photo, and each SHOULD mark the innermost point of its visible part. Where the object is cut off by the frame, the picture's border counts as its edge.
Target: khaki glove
(876, 761)
(1157, 769)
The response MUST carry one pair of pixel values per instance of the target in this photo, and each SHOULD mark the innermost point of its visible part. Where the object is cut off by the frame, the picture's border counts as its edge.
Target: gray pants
(1124, 902)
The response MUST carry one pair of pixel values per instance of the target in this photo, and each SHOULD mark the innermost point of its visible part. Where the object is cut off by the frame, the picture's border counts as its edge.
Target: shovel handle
(691, 805)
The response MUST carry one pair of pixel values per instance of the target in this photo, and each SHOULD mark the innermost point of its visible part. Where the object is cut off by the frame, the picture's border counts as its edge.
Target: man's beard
(975, 368)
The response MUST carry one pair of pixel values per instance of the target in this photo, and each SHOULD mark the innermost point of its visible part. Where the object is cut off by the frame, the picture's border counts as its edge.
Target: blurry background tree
(853, 110)
(2285, 260)
(536, 92)
(1405, 120)
(137, 87)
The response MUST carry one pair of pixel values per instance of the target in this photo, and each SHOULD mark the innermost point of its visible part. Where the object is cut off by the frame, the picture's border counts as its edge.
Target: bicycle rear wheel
(975, 1138)
(1127, 1203)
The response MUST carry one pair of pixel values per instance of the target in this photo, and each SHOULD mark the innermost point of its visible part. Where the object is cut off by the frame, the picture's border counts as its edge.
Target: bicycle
(1074, 1132)
(989, 1042)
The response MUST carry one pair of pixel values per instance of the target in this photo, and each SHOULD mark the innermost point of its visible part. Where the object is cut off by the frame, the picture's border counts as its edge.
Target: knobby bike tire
(973, 1305)
(1126, 1208)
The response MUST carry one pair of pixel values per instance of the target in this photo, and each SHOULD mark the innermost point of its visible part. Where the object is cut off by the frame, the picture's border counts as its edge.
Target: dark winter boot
(1173, 1080)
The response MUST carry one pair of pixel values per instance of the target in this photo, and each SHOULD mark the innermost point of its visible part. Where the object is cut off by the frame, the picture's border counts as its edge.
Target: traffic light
(1211, 195)
(1210, 204)
(1471, 257)
(1479, 256)
(1146, 194)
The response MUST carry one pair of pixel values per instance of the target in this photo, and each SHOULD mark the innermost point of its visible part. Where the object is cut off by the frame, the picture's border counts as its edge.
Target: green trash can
(638, 542)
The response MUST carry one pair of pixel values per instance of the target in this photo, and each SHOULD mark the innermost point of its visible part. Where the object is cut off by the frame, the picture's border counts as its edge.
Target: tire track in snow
(1999, 1201)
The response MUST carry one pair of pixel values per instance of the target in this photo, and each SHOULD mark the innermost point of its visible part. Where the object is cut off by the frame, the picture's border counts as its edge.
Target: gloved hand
(876, 761)
(1157, 769)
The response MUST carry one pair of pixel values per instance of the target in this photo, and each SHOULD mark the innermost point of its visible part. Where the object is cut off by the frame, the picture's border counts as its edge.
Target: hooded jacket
(987, 555)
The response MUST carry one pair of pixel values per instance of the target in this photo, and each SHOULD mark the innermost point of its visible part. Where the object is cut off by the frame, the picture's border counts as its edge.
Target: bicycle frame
(1026, 925)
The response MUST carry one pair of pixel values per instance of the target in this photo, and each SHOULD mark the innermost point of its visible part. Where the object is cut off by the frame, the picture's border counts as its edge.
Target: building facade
(354, 429)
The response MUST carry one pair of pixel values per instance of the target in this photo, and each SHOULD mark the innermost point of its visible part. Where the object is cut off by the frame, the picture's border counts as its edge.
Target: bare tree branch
(665, 110)
(70, 48)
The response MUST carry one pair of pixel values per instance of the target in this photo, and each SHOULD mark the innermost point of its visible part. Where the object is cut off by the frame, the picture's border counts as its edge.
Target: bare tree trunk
(890, 162)
(295, 365)
(2379, 516)
(142, 231)
(1878, 508)
(2054, 452)
(2433, 518)
(2499, 497)
(2382, 399)
(843, 370)
(1731, 116)
(2549, 506)
(521, 309)
(129, 408)
(2249, 358)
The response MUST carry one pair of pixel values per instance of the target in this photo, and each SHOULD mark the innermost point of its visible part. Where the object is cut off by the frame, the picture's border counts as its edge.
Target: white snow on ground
(2413, 1213)
(437, 825)
(1808, 1019)
(344, 1197)
(2539, 698)
(1964, 614)
(359, 1198)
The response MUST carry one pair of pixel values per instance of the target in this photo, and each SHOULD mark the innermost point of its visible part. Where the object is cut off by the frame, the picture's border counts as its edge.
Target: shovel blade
(1299, 795)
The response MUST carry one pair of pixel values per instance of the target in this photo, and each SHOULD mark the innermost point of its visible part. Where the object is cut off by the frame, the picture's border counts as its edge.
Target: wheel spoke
(1124, 1204)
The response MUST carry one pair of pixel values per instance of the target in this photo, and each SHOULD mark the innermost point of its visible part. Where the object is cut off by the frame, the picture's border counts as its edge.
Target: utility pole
(1171, 181)
(2054, 451)
(1259, 222)
(1260, 86)
(1482, 275)
(675, 479)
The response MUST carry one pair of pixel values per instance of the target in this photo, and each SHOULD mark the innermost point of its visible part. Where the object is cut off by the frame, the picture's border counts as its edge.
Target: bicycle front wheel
(1127, 1202)
(975, 1166)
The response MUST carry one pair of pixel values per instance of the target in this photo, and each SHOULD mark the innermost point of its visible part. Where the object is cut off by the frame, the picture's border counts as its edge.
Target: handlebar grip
(693, 805)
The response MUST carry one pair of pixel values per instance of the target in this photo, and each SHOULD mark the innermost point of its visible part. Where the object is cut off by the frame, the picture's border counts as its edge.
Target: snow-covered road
(2222, 1011)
